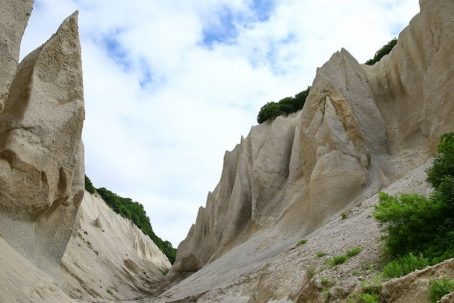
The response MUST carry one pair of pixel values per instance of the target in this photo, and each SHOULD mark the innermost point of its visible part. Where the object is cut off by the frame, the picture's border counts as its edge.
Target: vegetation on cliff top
(285, 107)
(419, 231)
(135, 212)
(289, 105)
(386, 49)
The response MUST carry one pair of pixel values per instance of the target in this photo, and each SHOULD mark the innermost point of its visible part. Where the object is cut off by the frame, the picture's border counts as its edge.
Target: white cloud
(162, 106)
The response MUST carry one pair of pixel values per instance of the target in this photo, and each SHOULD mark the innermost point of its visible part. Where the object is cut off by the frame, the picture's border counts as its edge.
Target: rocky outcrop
(42, 183)
(260, 270)
(41, 152)
(361, 129)
(13, 19)
(109, 258)
(414, 287)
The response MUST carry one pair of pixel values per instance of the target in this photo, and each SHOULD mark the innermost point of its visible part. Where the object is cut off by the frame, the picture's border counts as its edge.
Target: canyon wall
(41, 151)
(362, 128)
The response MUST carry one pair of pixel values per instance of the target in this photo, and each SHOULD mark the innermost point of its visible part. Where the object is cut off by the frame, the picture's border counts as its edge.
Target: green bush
(404, 265)
(418, 226)
(408, 222)
(285, 106)
(337, 260)
(89, 186)
(386, 49)
(440, 288)
(301, 242)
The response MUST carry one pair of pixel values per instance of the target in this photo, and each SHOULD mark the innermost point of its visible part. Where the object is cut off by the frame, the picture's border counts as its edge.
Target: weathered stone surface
(270, 267)
(111, 250)
(21, 281)
(413, 86)
(361, 129)
(14, 16)
(41, 152)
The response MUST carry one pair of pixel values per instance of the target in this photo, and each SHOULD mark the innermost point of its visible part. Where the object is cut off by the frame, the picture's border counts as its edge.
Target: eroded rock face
(41, 152)
(111, 250)
(14, 16)
(362, 128)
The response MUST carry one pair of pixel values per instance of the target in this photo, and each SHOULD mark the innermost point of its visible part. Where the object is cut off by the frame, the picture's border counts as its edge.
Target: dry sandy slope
(108, 257)
(248, 274)
(23, 282)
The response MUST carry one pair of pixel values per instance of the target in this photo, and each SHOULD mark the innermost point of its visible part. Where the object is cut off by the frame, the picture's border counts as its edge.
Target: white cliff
(362, 129)
(109, 258)
(42, 183)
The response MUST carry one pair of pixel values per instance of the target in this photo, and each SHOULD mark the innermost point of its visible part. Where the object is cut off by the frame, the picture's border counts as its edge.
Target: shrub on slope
(417, 228)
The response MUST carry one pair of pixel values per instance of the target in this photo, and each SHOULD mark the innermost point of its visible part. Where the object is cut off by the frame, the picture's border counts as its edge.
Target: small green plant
(344, 215)
(354, 252)
(110, 292)
(439, 288)
(326, 295)
(369, 293)
(372, 287)
(326, 283)
(301, 242)
(404, 265)
(320, 254)
(368, 298)
(337, 260)
(311, 272)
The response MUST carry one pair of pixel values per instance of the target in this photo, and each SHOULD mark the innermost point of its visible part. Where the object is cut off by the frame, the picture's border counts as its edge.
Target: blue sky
(171, 85)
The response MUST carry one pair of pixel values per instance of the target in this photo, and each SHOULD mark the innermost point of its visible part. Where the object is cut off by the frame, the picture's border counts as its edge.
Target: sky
(170, 85)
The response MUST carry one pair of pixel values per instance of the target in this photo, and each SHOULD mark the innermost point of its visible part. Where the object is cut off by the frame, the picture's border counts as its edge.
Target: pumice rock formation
(362, 129)
(58, 243)
(295, 193)
(13, 19)
(41, 152)
(108, 257)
